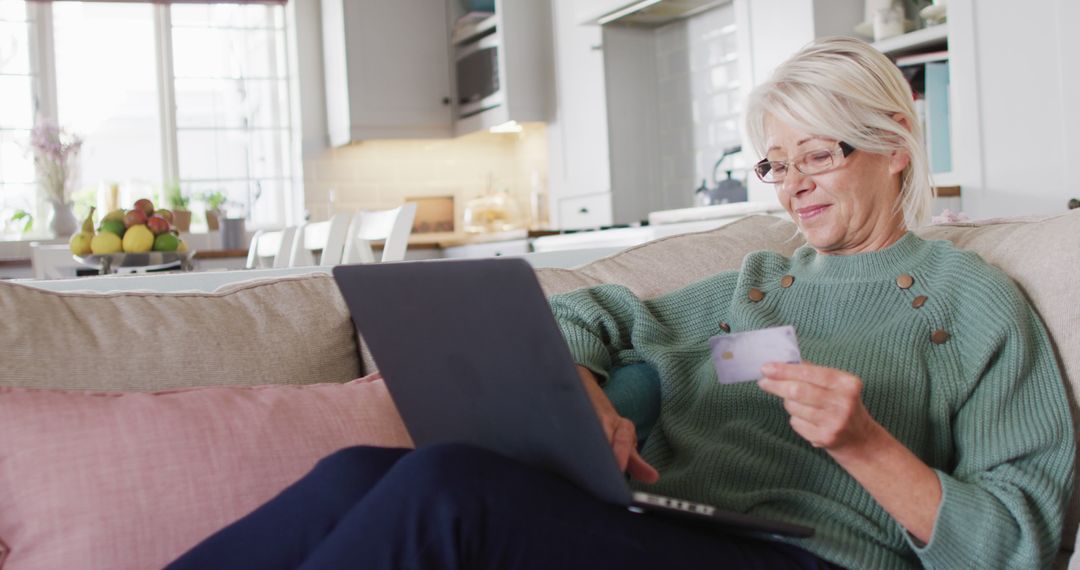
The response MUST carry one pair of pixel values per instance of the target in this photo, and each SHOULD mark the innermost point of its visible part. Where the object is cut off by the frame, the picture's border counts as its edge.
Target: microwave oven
(477, 74)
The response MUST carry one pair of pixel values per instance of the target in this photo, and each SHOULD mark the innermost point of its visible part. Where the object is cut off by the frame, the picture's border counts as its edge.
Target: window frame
(43, 91)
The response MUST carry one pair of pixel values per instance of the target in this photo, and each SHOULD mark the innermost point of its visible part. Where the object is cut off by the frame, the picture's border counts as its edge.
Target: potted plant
(22, 221)
(214, 200)
(178, 203)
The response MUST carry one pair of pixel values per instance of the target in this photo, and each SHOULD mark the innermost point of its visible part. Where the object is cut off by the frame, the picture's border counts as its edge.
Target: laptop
(470, 353)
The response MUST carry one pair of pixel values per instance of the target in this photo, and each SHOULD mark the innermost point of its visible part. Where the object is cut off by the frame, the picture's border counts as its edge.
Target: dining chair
(274, 245)
(391, 226)
(327, 237)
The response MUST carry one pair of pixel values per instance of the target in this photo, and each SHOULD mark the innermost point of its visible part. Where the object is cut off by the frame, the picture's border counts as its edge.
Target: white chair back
(327, 236)
(275, 245)
(393, 226)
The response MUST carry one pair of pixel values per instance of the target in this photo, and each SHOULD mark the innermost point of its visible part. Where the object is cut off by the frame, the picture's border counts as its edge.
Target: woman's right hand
(620, 431)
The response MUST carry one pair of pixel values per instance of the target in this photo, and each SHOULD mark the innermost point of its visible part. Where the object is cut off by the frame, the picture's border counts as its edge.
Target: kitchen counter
(457, 239)
(661, 224)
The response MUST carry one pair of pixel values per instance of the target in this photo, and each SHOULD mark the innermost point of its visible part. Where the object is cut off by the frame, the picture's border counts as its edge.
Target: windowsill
(19, 249)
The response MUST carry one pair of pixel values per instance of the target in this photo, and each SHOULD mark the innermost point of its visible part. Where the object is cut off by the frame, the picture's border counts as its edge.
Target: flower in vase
(55, 154)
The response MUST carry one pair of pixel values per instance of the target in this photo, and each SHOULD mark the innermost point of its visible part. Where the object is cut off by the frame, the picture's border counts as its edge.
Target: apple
(167, 214)
(134, 217)
(145, 205)
(157, 224)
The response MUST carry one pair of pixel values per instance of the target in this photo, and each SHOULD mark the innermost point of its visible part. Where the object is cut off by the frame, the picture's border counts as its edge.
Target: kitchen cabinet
(387, 69)
(491, 249)
(576, 212)
(1010, 104)
(1014, 71)
(578, 134)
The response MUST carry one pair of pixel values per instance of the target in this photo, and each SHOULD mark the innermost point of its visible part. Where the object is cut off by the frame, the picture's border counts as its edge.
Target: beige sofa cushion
(669, 263)
(293, 330)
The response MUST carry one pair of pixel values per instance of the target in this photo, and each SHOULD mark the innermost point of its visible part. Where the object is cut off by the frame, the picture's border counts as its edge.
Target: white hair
(844, 89)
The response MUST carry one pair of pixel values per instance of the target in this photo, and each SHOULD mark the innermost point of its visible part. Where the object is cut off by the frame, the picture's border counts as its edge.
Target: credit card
(738, 357)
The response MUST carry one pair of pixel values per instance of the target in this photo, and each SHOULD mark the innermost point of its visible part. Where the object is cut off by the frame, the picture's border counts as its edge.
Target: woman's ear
(900, 158)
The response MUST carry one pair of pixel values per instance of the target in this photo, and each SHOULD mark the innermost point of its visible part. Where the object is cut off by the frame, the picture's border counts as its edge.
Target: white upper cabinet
(387, 66)
(578, 134)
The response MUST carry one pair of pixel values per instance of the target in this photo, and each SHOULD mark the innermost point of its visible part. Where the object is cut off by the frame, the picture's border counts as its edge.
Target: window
(193, 93)
(114, 107)
(18, 195)
(232, 93)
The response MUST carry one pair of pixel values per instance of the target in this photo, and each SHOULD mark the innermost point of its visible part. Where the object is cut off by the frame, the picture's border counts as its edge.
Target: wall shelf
(919, 40)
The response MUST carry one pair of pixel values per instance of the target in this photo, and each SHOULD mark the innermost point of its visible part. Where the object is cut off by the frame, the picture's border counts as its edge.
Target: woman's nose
(796, 182)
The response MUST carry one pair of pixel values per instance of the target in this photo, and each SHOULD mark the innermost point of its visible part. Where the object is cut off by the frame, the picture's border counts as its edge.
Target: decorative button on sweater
(1004, 465)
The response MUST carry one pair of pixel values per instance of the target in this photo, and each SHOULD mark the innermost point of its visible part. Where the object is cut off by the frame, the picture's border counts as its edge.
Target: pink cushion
(132, 480)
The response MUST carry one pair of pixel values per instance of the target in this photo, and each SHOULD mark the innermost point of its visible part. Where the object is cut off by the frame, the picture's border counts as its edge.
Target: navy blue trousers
(461, 507)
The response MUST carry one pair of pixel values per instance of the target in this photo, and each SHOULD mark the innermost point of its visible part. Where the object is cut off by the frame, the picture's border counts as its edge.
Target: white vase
(62, 220)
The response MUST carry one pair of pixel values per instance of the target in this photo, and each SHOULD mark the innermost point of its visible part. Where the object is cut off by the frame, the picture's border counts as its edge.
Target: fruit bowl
(137, 262)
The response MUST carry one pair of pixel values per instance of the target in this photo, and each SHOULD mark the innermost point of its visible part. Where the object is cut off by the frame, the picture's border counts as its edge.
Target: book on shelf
(928, 75)
(938, 116)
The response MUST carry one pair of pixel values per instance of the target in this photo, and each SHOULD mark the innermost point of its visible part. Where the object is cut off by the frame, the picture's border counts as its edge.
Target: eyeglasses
(812, 162)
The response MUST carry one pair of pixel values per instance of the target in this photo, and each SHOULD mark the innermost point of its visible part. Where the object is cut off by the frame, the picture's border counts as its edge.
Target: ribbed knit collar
(887, 263)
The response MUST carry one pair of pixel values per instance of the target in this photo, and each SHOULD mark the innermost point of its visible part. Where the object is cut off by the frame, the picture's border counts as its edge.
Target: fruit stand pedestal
(107, 263)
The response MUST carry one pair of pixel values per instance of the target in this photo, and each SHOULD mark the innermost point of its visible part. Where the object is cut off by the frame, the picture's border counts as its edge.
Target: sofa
(135, 422)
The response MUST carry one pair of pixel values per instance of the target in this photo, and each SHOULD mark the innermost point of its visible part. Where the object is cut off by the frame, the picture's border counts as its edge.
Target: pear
(80, 242)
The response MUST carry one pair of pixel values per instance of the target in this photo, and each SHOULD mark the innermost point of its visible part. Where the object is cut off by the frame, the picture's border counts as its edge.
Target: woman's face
(851, 208)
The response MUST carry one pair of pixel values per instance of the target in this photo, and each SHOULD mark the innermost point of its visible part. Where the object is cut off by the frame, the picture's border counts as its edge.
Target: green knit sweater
(984, 407)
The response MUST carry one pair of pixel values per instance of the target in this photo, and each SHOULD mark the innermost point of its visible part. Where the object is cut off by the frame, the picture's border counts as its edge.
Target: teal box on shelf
(478, 5)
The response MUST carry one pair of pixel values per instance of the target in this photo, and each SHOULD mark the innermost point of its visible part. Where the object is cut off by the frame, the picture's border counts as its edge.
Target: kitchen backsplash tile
(383, 173)
(697, 64)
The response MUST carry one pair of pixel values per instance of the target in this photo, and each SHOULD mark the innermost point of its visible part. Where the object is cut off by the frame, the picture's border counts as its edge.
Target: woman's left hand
(825, 404)
(826, 410)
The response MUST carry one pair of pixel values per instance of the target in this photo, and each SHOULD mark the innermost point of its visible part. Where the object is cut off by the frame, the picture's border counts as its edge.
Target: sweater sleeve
(603, 324)
(1004, 501)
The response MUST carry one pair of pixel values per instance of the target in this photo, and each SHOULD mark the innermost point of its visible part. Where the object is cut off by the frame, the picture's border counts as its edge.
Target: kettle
(724, 191)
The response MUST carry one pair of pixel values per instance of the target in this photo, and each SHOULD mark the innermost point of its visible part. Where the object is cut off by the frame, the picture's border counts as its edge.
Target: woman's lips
(811, 211)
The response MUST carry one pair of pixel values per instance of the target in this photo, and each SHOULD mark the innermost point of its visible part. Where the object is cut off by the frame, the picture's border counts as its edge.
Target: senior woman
(931, 428)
